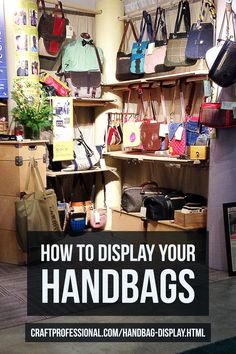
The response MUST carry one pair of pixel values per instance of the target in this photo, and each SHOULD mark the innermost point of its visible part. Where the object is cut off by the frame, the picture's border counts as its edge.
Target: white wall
(88, 4)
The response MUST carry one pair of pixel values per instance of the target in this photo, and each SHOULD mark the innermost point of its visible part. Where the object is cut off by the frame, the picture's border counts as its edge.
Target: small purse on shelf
(200, 37)
(139, 47)
(175, 54)
(123, 60)
(211, 115)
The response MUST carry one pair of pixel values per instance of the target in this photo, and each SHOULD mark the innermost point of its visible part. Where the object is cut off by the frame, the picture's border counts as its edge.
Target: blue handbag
(139, 47)
(201, 34)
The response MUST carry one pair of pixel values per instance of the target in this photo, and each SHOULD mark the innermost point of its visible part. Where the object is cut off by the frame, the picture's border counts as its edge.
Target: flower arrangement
(33, 109)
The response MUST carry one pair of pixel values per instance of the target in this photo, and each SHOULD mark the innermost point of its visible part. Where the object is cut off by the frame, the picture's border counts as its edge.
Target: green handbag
(37, 218)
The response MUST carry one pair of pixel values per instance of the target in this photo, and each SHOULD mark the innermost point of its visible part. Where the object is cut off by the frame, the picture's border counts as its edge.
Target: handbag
(52, 31)
(212, 53)
(139, 47)
(158, 207)
(223, 70)
(211, 115)
(37, 212)
(150, 130)
(175, 53)
(177, 130)
(200, 37)
(85, 84)
(60, 87)
(85, 156)
(123, 60)
(155, 57)
(114, 131)
(98, 218)
(132, 197)
(132, 123)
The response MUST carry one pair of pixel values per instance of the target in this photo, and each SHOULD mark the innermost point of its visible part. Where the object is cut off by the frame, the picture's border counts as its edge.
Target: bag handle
(163, 105)
(98, 58)
(228, 17)
(127, 24)
(33, 165)
(150, 183)
(210, 6)
(181, 97)
(161, 24)
(183, 14)
(189, 106)
(92, 198)
(148, 22)
(56, 11)
(43, 5)
(143, 24)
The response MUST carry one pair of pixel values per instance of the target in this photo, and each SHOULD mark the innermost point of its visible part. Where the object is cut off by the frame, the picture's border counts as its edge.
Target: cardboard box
(192, 219)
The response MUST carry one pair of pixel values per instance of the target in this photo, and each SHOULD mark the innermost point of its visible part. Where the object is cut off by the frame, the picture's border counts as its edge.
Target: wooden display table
(14, 158)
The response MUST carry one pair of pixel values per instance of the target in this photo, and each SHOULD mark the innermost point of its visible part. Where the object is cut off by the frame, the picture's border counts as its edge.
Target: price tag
(69, 31)
(207, 88)
(143, 212)
(163, 130)
(151, 46)
(103, 163)
(179, 133)
(228, 105)
(97, 217)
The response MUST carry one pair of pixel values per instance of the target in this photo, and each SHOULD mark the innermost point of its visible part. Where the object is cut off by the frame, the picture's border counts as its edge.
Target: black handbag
(223, 70)
(123, 60)
(175, 54)
(159, 207)
(200, 37)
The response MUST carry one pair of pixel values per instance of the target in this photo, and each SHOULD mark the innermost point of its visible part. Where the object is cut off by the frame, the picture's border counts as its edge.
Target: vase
(31, 133)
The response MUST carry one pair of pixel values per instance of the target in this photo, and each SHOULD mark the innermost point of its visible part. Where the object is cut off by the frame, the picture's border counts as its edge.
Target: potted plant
(33, 109)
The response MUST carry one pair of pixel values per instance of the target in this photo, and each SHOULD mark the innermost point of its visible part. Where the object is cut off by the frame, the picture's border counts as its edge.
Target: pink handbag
(155, 57)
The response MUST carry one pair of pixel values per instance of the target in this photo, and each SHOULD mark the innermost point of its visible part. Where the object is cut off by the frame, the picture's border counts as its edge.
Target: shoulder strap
(183, 13)
(188, 108)
(98, 58)
(127, 24)
(210, 6)
(61, 9)
(104, 189)
(43, 5)
(156, 22)
(148, 22)
(163, 105)
(143, 24)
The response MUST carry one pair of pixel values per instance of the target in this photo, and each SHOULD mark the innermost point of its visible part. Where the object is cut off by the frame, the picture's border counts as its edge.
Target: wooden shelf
(91, 102)
(140, 157)
(68, 173)
(167, 223)
(173, 75)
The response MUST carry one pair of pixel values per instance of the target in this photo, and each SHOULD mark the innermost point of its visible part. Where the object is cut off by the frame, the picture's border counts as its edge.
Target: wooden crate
(9, 249)
(194, 220)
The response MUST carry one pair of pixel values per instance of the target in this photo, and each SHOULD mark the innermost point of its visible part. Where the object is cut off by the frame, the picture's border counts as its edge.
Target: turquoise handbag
(139, 48)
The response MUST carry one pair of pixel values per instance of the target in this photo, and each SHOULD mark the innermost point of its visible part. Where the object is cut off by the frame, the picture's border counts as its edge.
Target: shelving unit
(134, 156)
(167, 77)
(91, 102)
(70, 173)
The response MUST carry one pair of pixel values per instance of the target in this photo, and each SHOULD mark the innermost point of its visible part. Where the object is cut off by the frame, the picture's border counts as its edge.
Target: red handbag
(211, 115)
(150, 129)
(178, 140)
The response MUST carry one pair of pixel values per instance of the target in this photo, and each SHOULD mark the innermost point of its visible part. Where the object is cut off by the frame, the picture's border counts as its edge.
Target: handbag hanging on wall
(153, 132)
(175, 54)
(37, 212)
(226, 25)
(156, 52)
(132, 123)
(123, 60)
(177, 130)
(139, 47)
(52, 31)
(200, 37)
(213, 116)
